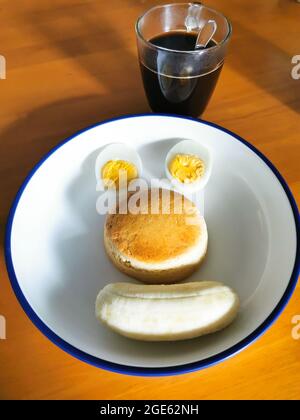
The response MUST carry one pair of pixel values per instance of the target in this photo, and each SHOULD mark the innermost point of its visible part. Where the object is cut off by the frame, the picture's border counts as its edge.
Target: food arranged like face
(159, 237)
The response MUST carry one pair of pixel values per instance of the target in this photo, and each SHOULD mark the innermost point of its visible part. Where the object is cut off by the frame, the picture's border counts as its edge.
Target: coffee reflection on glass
(177, 77)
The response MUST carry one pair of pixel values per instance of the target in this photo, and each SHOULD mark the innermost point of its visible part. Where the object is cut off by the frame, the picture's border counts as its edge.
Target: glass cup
(179, 79)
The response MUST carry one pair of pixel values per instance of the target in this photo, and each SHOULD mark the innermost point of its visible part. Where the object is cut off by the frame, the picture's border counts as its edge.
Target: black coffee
(179, 95)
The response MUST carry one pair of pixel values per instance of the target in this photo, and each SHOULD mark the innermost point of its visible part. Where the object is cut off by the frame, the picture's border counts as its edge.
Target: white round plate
(57, 264)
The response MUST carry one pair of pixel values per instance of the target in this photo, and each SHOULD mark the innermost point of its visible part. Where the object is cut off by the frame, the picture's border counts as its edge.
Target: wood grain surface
(71, 63)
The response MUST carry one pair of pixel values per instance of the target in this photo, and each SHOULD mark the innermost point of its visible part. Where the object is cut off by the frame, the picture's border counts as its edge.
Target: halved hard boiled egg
(188, 165)
(116, 165)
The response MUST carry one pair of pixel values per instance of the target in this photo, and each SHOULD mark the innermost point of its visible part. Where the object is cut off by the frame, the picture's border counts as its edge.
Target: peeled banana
(166, 312)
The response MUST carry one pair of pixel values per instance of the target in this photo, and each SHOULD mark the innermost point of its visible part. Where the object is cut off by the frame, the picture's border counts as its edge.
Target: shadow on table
(265, 64)
(101, 51)
(91, 40)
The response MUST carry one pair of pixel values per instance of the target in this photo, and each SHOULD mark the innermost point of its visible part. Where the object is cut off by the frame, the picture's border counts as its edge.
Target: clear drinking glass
(177, 78)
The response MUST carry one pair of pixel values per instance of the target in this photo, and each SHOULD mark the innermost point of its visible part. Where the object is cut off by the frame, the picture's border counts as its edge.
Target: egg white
(116, 151)
(190, 147)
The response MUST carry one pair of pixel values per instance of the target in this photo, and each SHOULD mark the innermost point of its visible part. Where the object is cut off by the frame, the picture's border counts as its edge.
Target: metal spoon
(205, 34)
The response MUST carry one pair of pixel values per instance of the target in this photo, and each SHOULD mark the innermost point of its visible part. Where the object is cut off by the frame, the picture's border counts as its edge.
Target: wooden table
(71, 63)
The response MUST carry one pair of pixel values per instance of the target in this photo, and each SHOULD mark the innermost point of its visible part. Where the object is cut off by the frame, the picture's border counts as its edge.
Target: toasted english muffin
(164, 241)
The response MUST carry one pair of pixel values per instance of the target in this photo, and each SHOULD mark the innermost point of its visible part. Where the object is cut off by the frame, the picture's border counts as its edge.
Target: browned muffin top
(157, 235)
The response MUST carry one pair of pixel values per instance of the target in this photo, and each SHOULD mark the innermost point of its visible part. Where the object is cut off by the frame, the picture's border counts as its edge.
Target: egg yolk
(114, 170)
(187, 168)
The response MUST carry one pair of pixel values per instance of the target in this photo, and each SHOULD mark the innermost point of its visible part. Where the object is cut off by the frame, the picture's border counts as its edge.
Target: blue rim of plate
(151, 371)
